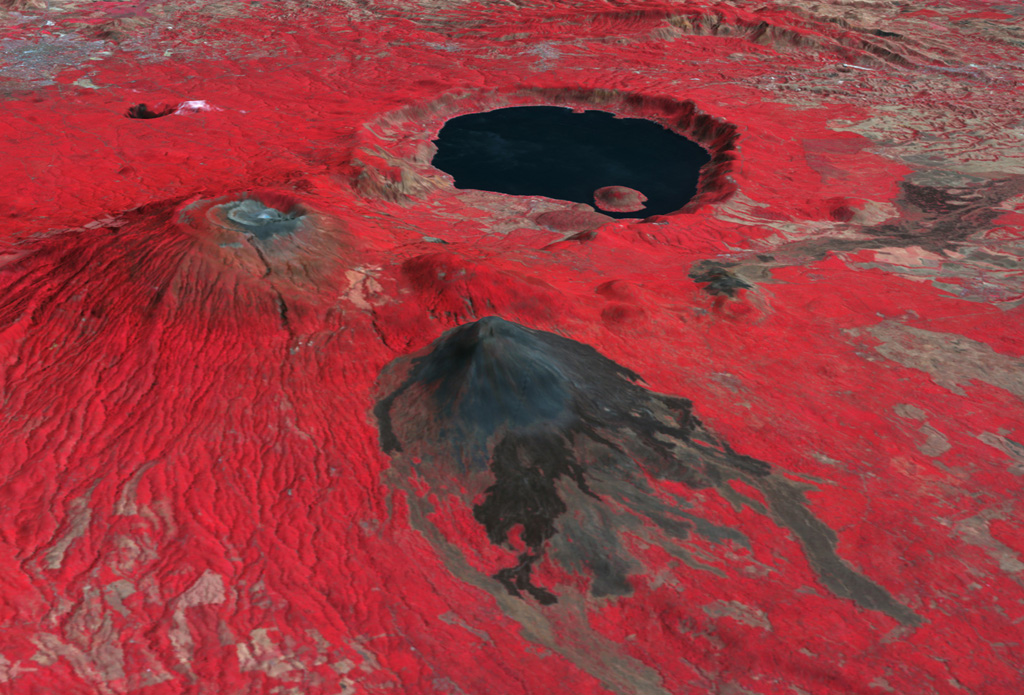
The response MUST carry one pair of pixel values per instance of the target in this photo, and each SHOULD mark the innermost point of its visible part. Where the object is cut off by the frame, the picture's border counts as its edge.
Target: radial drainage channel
(627, 167)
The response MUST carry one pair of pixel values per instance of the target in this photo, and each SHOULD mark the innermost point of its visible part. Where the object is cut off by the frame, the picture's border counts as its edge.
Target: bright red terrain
(193, 496)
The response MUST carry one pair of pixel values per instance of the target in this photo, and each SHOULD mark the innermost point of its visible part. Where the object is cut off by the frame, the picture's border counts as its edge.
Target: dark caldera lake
(557, 153)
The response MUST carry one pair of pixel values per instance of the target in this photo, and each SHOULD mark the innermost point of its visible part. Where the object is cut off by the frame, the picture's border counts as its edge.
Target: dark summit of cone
(494, 372)
(493, 375)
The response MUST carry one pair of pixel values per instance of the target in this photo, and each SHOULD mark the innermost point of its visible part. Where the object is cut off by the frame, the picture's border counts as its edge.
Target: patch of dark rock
(717, 279)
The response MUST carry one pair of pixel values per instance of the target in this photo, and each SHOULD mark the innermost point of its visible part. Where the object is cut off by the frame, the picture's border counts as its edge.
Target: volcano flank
(558, 433)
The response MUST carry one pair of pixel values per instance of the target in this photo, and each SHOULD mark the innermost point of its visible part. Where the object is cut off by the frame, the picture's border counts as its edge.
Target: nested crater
(262, 219)
(629, 167)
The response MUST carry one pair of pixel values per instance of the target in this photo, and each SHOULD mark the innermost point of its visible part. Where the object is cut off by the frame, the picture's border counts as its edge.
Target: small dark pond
(552, 151)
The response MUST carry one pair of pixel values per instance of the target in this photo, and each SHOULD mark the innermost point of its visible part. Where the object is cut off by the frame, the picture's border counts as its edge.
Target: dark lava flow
(554, 447)
(554, 152)
(717, 279)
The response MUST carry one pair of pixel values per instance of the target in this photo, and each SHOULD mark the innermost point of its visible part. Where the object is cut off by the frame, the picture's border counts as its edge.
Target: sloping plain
(414, 439)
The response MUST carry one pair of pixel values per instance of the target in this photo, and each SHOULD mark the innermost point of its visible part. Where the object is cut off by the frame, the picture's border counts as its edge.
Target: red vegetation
(194, 497)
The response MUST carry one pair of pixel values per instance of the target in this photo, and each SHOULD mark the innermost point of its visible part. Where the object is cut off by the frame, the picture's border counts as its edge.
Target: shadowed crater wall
(558, 153)
(145, 112)
(557, 449)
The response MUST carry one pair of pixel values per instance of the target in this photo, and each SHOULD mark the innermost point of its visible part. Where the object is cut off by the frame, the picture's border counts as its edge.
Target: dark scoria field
(285, 411)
